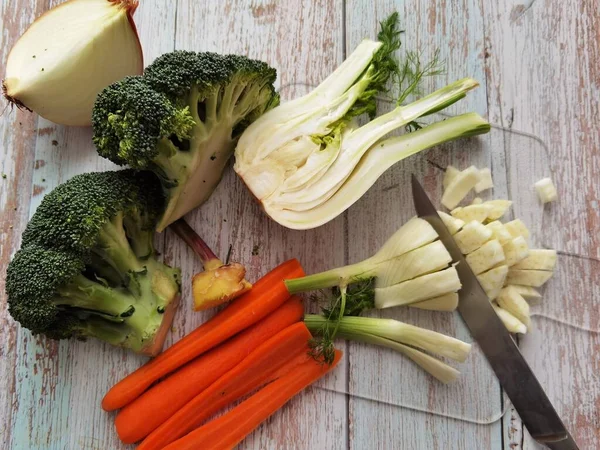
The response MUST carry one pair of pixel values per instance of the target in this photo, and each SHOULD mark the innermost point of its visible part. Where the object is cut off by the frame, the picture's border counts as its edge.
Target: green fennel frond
(411, 76)
(384, 66)
(413, 72)
(344, 301)
(359, 297)
(385, 60)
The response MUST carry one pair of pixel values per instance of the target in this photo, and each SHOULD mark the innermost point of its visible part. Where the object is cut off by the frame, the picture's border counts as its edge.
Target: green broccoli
(87, 265)
(181, 120)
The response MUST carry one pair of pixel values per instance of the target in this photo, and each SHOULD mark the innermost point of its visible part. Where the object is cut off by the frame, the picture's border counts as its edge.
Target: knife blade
(515, 376)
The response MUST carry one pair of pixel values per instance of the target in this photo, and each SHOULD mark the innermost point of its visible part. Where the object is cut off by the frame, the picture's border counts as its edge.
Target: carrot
(258, 369)
(231, 428)
(267, 295)
(138, 418)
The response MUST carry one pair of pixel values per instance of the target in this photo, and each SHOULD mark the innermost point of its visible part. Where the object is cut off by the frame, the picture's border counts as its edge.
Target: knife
(515, 376)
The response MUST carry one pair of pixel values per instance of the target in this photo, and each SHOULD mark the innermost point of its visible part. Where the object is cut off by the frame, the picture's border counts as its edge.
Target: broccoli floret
(130, 119)
(181, 120)
(87, 266)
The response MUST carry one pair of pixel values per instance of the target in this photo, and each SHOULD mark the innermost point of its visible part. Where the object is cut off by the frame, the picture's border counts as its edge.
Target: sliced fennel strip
(422, 338)
(421, 261)
(446, 302)
(413, 235)
(310, 123)
(418, 289)
(436, 368)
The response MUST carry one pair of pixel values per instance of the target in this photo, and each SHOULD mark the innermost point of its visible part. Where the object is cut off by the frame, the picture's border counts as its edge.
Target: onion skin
(60, 78)
(131, 6)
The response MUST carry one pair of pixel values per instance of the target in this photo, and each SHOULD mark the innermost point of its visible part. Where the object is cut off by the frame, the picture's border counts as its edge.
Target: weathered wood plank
(541, 66)
(302, 50)
(17, 137)
(543, 71)
(59, 386)
(456, 29)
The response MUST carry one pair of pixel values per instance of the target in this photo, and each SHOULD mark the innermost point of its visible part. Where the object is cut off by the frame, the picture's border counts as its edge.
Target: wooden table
(539, 68)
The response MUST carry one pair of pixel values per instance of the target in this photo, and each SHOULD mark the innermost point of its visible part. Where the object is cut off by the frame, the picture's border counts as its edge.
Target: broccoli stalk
(219, 283)
(94, 297)
(181, 120)
(87, 266)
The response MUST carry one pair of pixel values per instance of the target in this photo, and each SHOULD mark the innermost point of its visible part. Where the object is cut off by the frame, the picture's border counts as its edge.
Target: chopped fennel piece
(438, 369)
(460, 186)
(485, 257)
(493, 294)
(534, 278)
(472, 212)
(452, 223)
(499, 231)
(510, 300)
(449, 175)
(493, 280)
(477, 201)
(446, 302)
(498, 208)
(421, 261)
(485, 180)
(515, 250)
(517, 228)
(421, 288)
(546, 190)
(511, 323)
(472, 236)
(527, 292)
(538, 259)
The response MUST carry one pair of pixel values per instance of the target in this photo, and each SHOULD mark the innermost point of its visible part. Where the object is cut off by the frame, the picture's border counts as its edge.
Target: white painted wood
(305, 49)
(17, 136)
(543, 78)
(384, 375)
(538, 65)
(59, 386)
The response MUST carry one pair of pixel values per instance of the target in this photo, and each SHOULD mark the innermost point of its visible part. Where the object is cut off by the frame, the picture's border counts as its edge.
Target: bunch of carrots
(256, 349)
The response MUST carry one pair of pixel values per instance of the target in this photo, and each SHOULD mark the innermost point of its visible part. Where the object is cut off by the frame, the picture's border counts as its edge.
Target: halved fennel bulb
(307, 160)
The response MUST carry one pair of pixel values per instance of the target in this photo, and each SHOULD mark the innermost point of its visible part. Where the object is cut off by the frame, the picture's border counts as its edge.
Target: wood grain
(384, 376)
(59, 385)
(17, 136)
(543, 70)
(539, 68)
(304, 50)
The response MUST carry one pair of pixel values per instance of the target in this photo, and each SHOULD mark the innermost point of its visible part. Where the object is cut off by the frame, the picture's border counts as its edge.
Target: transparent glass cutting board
(517, 161)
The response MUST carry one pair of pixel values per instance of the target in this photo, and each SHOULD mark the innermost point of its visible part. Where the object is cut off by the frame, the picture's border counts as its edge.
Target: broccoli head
(87, 266)
(181, 120)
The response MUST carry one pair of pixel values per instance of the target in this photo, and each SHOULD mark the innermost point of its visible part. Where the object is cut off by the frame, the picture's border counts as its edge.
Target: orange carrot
(231, 428)
(258, 369)
(137, 419)
(267, 295)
